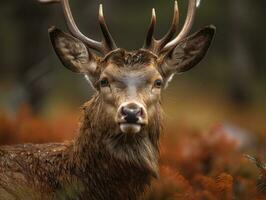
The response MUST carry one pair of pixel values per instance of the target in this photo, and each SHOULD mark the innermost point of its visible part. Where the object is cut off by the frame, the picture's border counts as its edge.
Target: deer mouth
(130, 128)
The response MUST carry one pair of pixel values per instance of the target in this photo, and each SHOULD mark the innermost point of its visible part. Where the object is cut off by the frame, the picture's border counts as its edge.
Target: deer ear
(73, 54)
(188, 53)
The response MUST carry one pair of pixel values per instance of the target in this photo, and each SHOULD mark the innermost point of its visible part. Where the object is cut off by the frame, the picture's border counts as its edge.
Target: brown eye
(158, 83)
(104, 83)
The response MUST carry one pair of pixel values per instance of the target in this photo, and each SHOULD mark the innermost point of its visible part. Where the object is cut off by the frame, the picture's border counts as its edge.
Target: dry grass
(194, 164)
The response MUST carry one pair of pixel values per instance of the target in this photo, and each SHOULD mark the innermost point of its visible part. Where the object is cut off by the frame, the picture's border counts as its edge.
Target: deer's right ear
(73, 54)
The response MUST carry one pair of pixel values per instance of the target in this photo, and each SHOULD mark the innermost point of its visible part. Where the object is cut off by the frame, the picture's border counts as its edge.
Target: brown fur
(93, 166)
(110, 158)
(124, 58)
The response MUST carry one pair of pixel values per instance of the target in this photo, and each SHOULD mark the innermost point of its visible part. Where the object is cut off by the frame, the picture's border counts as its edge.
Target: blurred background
(225, 93)
(229, 85)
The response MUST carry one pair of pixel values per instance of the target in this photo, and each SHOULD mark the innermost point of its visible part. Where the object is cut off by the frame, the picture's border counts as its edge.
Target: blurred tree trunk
(31, 74)
(240, 56)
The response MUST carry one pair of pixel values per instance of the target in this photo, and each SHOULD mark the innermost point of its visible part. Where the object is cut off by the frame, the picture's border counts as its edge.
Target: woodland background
(214, 114)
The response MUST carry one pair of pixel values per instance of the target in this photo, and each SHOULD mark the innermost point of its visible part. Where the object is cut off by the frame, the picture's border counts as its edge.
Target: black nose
(131, 113)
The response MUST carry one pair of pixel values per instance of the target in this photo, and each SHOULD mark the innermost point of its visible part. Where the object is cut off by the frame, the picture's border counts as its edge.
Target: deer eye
(104, 82)
(158, 83)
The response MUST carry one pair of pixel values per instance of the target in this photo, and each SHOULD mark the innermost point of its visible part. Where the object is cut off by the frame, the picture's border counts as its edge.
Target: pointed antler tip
(153, 13)
(101, 7)
(198, 3)
(176, 5)
(101, 11)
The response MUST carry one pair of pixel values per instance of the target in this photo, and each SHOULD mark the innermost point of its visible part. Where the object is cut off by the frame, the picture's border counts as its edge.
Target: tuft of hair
(123, 58)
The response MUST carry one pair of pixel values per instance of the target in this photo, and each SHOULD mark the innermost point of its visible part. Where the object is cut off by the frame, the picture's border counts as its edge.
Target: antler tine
(150, 39)
(156, 45)
(104, 47)
(172, 30)
(187, 26)
(108, 40)
(72, 27)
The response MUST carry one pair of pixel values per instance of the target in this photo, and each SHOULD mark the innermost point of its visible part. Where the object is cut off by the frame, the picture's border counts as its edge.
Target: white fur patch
(87, 78)
(133, 82)
(89, 81)
(130, 128)
(170, 78)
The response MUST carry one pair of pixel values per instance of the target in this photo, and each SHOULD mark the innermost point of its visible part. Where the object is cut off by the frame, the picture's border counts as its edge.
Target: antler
(105, 46)
(166, 43)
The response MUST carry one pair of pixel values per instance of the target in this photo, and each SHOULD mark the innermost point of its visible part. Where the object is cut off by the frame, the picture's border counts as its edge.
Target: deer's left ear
(188, 53)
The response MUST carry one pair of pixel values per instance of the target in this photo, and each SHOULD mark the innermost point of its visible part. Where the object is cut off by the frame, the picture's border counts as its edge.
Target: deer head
(130, 83)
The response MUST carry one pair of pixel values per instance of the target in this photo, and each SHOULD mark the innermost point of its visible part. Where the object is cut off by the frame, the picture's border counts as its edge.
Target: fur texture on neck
(99, 132)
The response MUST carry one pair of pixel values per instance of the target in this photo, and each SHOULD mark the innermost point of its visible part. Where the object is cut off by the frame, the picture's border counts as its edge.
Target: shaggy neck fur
(112, 159)
(100, 164)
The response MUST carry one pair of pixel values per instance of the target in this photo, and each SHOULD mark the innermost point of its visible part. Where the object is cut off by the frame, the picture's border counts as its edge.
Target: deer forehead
(135, 67)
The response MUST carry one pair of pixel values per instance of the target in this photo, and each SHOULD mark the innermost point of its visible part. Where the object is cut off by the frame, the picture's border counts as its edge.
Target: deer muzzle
(131, 117)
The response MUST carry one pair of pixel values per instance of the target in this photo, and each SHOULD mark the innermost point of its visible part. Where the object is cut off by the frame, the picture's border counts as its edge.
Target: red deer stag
(115, 155)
